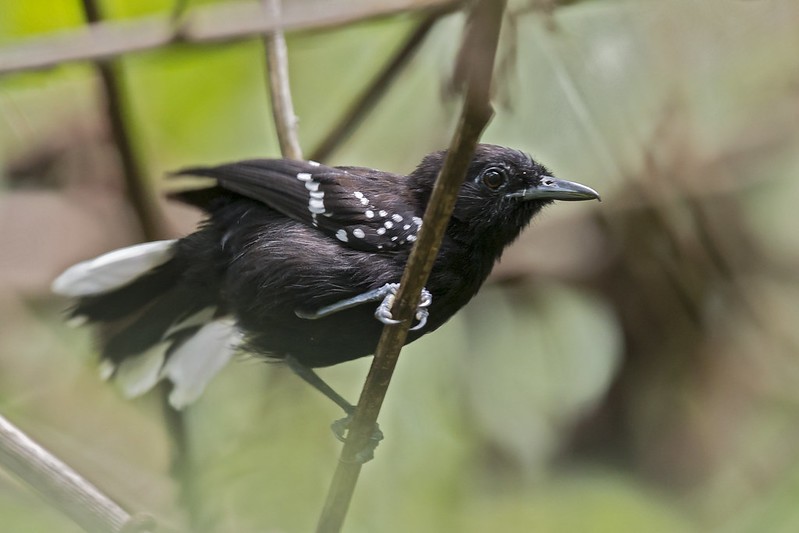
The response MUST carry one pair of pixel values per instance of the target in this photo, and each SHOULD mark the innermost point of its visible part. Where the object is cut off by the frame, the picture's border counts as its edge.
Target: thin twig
(62, 487)
(372, 94)
(481, 39)
(277, 63)
(213, 23)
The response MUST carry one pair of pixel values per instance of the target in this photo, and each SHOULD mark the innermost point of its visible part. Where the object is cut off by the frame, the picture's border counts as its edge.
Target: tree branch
(480, 41)
(143, 199)
(64, 488)
(277, 63)
(213, 23)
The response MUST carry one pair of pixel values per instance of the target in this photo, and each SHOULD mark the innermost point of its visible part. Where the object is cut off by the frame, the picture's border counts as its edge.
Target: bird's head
(502, 191)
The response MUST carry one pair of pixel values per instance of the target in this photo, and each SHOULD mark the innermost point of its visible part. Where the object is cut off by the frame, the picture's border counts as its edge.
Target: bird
(298, 262)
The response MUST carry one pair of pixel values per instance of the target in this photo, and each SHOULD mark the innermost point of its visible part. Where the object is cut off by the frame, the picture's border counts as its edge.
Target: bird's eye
(494, 178)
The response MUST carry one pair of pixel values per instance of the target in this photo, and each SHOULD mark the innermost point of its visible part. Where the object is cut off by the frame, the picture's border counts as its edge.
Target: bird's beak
(554, 189)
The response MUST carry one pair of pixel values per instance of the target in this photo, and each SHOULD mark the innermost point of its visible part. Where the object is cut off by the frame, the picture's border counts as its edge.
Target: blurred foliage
(632, 368)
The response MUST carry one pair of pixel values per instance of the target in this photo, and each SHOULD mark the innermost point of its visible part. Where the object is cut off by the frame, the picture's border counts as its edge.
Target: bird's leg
(387, 293)
(341, 426)
(313, 379)
(374, 295)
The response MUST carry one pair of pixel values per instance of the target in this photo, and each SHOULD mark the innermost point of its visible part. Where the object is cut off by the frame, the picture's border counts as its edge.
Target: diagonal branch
(476, 67)
(377, 89)
(64, 488)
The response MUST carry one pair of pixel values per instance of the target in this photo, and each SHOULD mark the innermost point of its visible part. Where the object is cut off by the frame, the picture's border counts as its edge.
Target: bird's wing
(345, 203)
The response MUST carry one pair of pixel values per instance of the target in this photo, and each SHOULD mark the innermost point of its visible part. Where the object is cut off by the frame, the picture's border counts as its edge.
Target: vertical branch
(142, 198)
(474, 69)
(280, 91)
(64, 488)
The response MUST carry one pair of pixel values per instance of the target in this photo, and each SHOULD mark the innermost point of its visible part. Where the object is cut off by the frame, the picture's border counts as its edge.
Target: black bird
(292, 262)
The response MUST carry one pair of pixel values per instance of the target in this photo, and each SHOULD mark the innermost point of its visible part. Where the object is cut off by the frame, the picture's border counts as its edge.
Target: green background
(632, 366)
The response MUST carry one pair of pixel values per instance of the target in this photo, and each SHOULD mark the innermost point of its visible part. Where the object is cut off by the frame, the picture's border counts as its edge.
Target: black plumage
(284, 239)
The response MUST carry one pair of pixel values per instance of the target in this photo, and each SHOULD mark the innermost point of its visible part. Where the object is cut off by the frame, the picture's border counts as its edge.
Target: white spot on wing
(381, 231)
(388, 224)
(411, 238)
(406, 227)
(358, 194)
(382, 213)
(315, 203)
(304, 176)
(313, 163)
(341, 235)
(396, 217)
(358, 232)
(417, 221)
(369, 213)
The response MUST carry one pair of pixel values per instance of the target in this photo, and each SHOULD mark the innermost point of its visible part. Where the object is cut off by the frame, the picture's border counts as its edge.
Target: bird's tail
(150, 325)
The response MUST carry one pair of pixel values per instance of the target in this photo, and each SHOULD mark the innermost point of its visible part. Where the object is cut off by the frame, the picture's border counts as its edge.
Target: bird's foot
(387, 293)
(383, 311)
(341, 428)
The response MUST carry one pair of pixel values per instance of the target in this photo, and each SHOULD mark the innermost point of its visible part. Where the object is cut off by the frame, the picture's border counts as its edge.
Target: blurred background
(632, 364)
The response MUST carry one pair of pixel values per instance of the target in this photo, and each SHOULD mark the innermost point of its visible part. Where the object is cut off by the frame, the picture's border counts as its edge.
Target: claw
(387, 320)
(421, 316)
(425, 299)
(340, 428)
(422, 313)
(383, 311)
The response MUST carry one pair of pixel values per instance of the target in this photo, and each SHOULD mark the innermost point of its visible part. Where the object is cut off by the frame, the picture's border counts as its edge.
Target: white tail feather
(106, 369)
(192, 365)
(112, 270)
(201, 317)
(195, 363)
(137, 375)
(190, 368)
